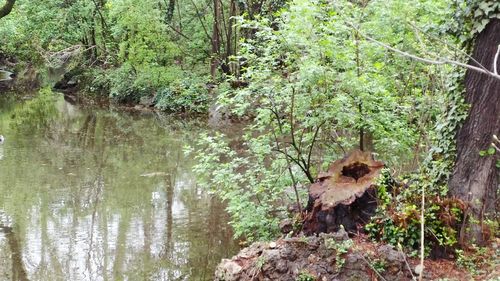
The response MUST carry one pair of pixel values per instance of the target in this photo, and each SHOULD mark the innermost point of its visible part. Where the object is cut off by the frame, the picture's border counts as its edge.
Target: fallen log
(344, 195)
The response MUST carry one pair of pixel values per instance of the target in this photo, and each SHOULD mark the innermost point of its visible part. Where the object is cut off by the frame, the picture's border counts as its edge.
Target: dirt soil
(335, 256)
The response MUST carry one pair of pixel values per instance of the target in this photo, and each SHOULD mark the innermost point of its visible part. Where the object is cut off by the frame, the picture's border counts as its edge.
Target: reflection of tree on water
(167, 252)
(84, 212)
(86, 135)
(94, 186)
(41, 108)
(121, 242)
(205, 252)
(97, 188)
(18, 270)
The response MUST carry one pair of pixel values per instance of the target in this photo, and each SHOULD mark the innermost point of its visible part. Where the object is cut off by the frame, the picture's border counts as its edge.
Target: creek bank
(77, 84)
(327, 257)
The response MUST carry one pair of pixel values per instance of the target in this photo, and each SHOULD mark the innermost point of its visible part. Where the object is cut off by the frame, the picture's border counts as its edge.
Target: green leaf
(491, 151)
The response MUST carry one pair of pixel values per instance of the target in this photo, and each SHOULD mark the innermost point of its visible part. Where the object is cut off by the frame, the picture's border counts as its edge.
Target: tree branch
(201, 18)
(289, 166)
(426, 60)
(309, 154)
(496, 60)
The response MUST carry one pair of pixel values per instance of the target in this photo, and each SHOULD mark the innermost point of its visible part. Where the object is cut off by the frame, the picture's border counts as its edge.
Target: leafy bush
(316, 90)
(397, 220)
(97, 81)
(306, 276)
(477, 260)
(127, 84)
(123, 86)
(340, 248)
(254, 191)
(187, 95)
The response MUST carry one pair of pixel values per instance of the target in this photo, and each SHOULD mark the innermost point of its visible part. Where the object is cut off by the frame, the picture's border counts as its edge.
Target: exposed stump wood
(344, 195)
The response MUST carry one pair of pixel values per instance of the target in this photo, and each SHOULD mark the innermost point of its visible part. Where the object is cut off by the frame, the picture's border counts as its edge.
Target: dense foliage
(398, 216)
(124, 49)
(319, 88)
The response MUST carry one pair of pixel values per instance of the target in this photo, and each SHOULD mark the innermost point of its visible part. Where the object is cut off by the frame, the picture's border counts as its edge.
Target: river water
(5, 75)
(90, 194)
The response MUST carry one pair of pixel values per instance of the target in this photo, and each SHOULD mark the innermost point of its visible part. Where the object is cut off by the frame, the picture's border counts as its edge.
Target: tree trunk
(215, 40)
(7, 8)
(170, 11)
(475, 178)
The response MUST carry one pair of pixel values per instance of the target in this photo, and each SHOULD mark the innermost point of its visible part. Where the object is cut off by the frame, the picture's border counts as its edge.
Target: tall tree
(7, 8)
(475, 178)
(216, 36)
(170, 11)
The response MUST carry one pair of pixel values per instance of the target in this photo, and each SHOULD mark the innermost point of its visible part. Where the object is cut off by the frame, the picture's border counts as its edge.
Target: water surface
(5, 75)
(89, 194)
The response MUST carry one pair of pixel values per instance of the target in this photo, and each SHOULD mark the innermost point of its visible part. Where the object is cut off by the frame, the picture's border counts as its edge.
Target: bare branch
(289, 166)
(201, 18)
(309, 154)
(426, 60)
(495, 146)
(422, 237)
(449, 46)
(496, 60)
(372, 267)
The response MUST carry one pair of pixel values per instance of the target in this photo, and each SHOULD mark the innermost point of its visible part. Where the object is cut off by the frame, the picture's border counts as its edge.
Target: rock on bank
(331, 256)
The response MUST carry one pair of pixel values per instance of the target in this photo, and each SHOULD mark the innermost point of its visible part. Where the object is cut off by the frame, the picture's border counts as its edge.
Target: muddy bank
(324, 257)
(329, 257)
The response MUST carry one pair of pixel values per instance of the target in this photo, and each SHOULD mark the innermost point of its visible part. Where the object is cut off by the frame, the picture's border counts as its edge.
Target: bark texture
(475, 178)
(170, 11)
(7, 8)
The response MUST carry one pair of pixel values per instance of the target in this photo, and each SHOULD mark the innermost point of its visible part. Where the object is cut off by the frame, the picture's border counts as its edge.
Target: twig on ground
(406, 262)
(422, 239)
(373, 268)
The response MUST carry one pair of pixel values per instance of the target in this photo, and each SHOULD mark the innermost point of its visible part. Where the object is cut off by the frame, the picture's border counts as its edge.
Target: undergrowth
(397, 220)
(169, 88)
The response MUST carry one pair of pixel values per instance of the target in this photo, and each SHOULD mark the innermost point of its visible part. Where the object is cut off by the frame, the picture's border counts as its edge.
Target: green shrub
(340, 248)
(97, 81)
(305, 276)
(476, 260)
(397, 220)
(122, 85)
(187, 95)
(255, 194)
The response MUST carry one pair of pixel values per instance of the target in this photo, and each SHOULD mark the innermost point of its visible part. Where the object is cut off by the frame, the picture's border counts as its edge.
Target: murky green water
(5, 75)
(88, 194)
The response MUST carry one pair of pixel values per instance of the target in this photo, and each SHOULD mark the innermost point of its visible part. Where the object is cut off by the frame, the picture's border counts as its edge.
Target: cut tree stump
(345, 195)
